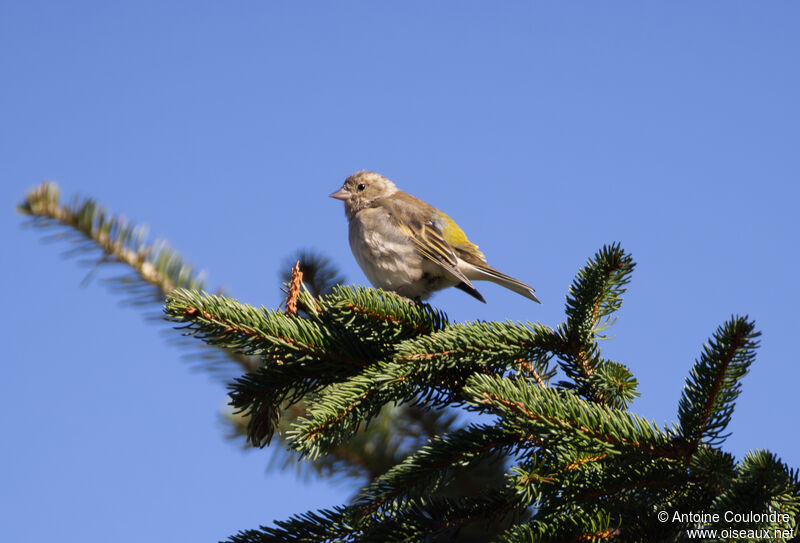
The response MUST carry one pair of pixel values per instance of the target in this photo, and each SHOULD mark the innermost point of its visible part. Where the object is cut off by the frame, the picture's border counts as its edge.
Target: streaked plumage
(407, 246)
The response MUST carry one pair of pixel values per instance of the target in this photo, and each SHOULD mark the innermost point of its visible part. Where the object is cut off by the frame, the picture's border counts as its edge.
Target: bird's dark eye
(361, 187)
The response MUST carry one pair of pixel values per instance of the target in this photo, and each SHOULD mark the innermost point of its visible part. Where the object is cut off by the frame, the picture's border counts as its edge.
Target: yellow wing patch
(456, 238)
(433, 246)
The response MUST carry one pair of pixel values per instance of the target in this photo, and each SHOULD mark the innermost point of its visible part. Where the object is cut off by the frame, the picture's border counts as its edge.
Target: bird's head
(362, 189)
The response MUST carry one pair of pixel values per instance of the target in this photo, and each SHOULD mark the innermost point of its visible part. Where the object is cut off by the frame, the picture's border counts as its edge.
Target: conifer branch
(714, 383)
(156, 268)
(594, 295)
(396, 432)
(245, 329)
(435, 518)
(379, 316)
(362, 320)
(597, 290)
(565, 416)
(634, 480)
(435, 464)
(478, 342)
(763, 484)
(529, 478)
(411, 520)
(576, 525)
(325, 525)
(120, 241)
(613, 383)
(430, 369)
(295, 351)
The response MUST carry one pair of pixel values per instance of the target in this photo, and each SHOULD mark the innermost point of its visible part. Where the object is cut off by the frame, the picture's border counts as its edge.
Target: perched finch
(409, 247)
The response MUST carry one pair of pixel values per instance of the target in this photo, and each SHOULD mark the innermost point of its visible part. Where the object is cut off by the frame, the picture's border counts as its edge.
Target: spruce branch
(437, 463)
(155, 264)
(595, 294)
(428, 369)
(637, 484)
(479, 342)
(597, 291)
(379, 318)
(262, 332)
(577, 525)
(296, 353)
(444, 519)
(313, 526)
(395, 433)
(339, 413)
(709, 472)
(763, 484)
(564, 417)
(411, 520)
(613, 382)
(156, 269)
(364, 321)
(714, 382)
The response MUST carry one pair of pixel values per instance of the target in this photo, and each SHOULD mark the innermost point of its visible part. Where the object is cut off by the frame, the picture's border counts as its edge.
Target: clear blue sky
(544, 129)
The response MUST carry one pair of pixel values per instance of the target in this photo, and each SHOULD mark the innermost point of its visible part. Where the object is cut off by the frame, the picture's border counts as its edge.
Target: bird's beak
(341, 194)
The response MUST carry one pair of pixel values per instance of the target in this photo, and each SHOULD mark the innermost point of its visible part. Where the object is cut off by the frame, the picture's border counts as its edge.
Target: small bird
(407, 246)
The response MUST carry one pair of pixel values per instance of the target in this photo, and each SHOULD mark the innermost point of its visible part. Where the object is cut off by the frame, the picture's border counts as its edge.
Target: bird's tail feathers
(488, 273)
(472, 291)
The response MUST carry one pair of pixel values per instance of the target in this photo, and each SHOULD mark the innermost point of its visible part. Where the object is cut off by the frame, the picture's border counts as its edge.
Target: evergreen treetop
(363, 382)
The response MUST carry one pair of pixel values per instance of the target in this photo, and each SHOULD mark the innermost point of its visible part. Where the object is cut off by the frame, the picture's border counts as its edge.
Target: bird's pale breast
(385, 253)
